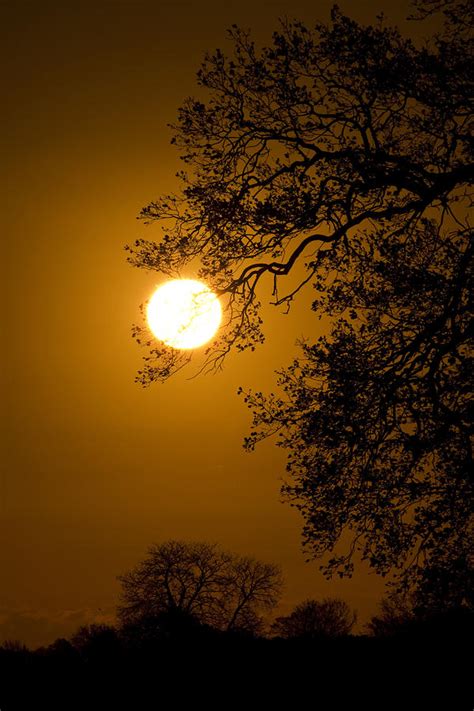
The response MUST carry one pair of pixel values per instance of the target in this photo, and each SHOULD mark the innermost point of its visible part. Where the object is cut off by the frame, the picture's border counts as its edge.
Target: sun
(184, 313)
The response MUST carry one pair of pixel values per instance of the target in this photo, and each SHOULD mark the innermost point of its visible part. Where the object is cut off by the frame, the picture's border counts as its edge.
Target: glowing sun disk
(184, 313)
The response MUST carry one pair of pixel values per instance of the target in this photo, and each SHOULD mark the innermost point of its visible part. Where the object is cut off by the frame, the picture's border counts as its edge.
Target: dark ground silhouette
(175, 659)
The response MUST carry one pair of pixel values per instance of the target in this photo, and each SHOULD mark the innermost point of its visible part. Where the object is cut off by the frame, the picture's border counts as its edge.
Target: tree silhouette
(396, 612)
(199, 581)
(313, 619)
(403, 615)
(96, 642)
(377, 421)
(342, 156)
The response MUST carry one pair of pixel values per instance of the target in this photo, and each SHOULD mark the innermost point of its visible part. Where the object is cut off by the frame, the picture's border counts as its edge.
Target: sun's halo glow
(184, 313)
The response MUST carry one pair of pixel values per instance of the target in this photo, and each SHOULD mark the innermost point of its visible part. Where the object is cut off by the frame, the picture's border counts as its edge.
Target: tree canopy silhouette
(200, 581)
(344, 153)
(313, 619)
(402, 615)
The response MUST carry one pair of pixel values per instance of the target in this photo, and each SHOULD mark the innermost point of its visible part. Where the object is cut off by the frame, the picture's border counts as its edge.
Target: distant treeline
(192, 626)
(176, 658)
(167, 663)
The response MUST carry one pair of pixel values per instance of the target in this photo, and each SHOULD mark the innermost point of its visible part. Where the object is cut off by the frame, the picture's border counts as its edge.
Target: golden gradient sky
(95, 467)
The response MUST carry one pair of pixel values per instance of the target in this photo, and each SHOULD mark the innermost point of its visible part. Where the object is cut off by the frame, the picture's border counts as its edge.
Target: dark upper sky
(97, 468)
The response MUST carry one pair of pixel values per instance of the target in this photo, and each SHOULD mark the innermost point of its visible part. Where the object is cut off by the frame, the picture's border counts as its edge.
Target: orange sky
(95, 467)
